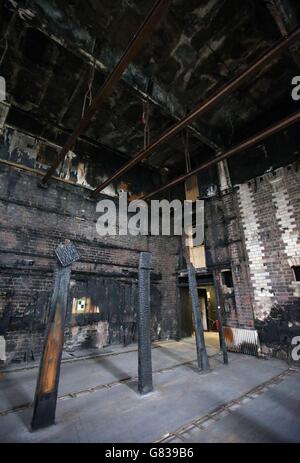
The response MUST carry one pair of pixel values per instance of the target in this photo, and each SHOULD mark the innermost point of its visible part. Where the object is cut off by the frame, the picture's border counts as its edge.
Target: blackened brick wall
(33, 221)
(253, 229)
(270, 217)
(225, 251)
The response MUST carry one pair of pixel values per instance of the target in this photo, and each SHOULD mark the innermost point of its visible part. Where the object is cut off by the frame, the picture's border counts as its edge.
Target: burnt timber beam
(245, 145)
(203, 107)
(202, 357)
(141, 36)
(48, 379)
(145, 381)
(285, 17)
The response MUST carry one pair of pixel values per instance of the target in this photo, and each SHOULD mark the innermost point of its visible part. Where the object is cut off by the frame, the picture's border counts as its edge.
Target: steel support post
(223, 345)
(145, 382)
(203, 362)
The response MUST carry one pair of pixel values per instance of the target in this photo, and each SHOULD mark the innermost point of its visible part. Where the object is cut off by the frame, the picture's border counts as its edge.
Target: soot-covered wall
(253, 229)
(33, 221)
(269, 208)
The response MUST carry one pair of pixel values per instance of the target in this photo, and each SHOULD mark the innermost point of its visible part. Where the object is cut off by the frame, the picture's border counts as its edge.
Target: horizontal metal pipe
(258, 138)
(203, 107)
(106, 90)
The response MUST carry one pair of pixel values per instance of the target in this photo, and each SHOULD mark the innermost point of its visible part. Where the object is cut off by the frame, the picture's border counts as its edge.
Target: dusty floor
(250, 400)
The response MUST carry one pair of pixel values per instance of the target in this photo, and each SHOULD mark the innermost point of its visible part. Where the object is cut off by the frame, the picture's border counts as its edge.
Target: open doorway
(207, 303)
(203, 307)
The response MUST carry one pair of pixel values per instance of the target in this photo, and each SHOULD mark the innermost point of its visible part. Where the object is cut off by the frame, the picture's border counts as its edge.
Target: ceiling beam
(203, 107)
(285, 17)
(245, 145)
(166, 102)
(142, 35)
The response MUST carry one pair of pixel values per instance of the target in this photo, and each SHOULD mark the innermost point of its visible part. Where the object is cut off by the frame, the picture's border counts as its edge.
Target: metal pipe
(143, 34)
(223, 345)
(279, 126)
(203, 107)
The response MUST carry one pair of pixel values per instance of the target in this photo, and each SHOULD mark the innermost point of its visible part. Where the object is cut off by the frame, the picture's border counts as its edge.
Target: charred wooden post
(203, 362)
(145, 382)
(48, 379)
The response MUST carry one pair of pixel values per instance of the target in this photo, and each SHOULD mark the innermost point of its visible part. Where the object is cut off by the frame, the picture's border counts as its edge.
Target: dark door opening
(207, 303)
(203, 308)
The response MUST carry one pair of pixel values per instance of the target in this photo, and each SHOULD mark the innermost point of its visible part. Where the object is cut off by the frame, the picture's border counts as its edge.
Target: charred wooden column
(48, 379)
(203, 362)
(223, 345)
(145, 383)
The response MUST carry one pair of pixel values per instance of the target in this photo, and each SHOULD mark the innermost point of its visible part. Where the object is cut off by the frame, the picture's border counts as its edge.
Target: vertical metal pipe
(223, 345)
(222, 337)
(145, 381)
(203, 362)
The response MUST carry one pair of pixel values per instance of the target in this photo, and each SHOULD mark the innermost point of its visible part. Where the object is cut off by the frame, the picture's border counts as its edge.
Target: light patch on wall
(68, 165)
(260, 277)
(288, 227)
(102, 336)
(84, 305)
(82, 170)
(2, 349)
(2, 89)
(285, 215)
(4, 110)
(21, 143)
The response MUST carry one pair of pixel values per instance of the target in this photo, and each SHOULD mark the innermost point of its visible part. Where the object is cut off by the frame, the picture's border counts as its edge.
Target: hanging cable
(88, 97)
(146, 122)
(186, 142)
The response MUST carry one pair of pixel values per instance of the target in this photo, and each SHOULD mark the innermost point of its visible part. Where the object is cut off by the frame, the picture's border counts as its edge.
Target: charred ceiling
(60, 53)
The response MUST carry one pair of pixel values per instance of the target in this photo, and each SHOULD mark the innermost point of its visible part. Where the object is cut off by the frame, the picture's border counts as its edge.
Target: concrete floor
(250, 400)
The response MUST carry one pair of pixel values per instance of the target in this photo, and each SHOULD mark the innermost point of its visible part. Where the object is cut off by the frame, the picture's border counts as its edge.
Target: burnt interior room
(149, 221)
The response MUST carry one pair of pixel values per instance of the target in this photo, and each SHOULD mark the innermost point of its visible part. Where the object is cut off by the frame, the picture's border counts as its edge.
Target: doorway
(203, 308)
(207, 303)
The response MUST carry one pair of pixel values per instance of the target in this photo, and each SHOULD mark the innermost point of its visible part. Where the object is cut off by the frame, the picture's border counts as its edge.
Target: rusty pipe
(202, 107)
(254, 140)
(143, 34)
